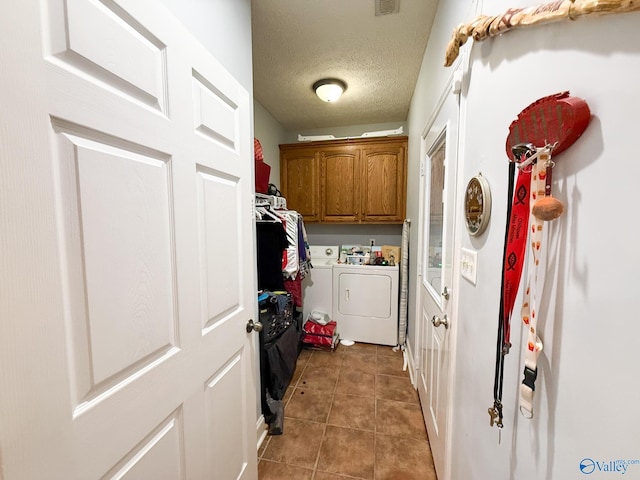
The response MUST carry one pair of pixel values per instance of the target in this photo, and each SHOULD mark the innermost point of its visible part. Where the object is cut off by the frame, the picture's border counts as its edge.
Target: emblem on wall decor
(548, 126)
(477, 205)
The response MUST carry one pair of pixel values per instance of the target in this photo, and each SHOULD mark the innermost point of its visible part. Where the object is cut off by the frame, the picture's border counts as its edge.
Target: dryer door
(366, 303)
(364, 295)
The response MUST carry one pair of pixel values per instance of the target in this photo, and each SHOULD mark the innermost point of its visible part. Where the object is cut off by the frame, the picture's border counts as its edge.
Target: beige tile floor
(349, 414)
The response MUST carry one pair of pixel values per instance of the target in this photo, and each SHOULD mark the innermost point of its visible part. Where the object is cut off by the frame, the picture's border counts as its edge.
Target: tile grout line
(293, 387)
(326, 422)
(375, 414)
(343, 368)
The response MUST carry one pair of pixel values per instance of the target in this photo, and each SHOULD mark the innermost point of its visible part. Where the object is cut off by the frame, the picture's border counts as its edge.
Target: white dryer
(365, 303)
(317, 286)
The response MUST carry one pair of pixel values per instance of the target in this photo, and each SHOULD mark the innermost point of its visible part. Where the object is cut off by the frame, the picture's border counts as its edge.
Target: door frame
(455, 85)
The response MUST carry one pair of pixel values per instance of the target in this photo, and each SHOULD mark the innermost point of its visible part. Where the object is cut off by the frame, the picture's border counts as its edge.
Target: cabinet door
(300, 180)
(341, 174)
(384, 182)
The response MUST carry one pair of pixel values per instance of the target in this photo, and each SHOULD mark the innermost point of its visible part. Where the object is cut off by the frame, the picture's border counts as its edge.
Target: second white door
(436, 322)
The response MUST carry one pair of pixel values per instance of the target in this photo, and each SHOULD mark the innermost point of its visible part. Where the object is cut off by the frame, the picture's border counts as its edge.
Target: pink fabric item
(257, 149)
(262, 170)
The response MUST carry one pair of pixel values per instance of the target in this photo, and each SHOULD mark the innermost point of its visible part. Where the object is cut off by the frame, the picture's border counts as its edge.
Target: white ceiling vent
(385, 7)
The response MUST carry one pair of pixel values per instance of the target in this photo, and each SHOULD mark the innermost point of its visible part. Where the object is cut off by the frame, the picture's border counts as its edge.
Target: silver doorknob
(437, 321)
(253, 326)
(445, 293)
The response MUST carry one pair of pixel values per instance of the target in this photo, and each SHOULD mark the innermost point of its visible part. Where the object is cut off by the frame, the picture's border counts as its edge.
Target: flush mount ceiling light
(329, 89)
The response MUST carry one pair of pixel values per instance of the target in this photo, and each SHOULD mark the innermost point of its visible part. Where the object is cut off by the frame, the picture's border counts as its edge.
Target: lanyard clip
(528, 153)
(522, 152)
(530, 376)
(495, 413)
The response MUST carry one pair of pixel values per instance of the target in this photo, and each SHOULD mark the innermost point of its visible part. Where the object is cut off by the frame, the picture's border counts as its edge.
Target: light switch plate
(469, 264)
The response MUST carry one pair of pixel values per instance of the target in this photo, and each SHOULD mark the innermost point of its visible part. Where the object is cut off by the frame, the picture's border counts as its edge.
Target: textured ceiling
(297, 42)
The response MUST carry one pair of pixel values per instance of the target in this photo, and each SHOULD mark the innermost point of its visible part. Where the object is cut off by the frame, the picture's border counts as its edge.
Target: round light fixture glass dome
(329, 89)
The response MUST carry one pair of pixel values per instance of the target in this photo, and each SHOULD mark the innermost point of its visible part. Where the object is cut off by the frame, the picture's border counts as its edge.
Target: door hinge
(457, 82)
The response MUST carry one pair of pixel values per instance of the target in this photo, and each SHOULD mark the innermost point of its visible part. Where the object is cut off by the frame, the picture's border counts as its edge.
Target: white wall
(588, 387)
(271, 135)
(224, 27)
(322, 234)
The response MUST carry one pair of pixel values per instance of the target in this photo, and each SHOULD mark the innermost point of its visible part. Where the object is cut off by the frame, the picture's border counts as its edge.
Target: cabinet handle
(346, 294)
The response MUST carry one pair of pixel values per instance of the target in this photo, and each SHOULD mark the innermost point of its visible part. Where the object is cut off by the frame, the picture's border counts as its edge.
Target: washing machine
(317, 286)
(365, 303)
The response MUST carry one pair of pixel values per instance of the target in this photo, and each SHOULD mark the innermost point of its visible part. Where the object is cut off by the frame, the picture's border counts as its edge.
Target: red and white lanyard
(532, 184)
(518, 212)
(535, 282)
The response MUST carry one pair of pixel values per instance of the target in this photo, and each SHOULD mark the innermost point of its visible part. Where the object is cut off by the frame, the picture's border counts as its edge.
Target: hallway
(349, 414)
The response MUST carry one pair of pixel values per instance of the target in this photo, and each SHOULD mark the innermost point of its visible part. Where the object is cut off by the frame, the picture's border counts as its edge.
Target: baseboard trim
(409, 361)
(261, 431)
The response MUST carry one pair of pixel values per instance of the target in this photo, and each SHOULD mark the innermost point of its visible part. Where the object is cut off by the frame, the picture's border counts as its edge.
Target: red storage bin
(319, 335)
(262, 177)
(262, 169)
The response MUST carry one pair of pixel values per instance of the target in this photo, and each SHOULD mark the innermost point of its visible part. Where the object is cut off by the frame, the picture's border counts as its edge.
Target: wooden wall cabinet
(346, 181)
(340, 186)
(300, 181)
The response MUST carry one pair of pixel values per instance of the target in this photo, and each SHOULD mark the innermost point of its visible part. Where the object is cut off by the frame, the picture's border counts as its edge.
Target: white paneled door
(127, 255)
(436, 324)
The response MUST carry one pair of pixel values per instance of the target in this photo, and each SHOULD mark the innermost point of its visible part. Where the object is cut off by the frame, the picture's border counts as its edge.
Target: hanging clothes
(303, 249)
(294, 259)
(271, 244)
(290, 261)
(294, 287)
